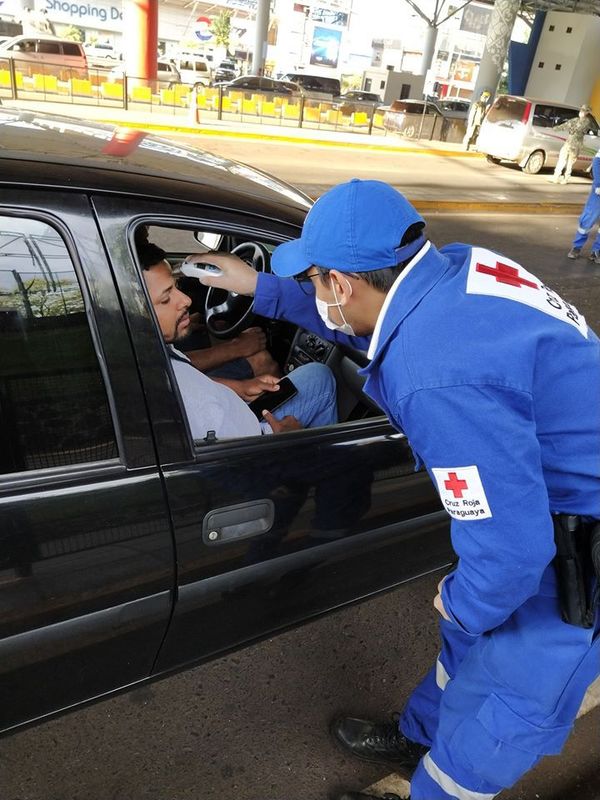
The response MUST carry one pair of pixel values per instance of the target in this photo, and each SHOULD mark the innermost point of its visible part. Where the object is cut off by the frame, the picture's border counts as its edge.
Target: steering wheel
(229, 313)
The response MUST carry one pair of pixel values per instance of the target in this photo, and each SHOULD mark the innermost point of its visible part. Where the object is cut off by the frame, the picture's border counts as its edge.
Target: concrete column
(140, 33)
(260, 37)
(496, 46)
(428, 49)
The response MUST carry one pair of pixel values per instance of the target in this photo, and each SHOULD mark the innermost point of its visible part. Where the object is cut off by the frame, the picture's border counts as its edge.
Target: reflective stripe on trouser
(513, 699)
(419, 720)
(589, 217)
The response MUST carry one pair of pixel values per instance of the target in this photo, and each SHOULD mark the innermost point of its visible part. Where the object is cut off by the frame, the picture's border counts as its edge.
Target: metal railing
(203, 104)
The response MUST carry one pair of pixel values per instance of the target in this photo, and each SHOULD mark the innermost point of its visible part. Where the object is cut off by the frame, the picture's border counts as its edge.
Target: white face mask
(323, 311)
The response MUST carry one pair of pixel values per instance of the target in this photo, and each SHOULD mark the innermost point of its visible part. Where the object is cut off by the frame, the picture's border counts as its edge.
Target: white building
(566, 66)
(181, 24)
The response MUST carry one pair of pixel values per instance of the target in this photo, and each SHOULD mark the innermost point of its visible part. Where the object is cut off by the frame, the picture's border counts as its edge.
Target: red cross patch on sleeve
(461, 492)
(498, 276)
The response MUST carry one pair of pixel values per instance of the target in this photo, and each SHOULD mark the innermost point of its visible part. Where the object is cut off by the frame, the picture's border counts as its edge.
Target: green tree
(73, 33)
(221, 28)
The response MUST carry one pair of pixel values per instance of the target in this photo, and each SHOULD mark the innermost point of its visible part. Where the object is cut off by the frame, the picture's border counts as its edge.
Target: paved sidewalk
(183, 123)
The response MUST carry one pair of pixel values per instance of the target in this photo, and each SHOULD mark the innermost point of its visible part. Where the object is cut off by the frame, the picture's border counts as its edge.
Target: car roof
(537, 100)
(62, 152)
(44, 36)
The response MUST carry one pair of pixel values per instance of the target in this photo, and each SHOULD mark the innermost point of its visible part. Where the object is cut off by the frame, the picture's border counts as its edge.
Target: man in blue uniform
(589, 217)
(495, 380)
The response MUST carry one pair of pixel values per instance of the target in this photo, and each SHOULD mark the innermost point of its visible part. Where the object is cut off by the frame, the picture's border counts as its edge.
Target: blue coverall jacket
(495, 380)
(591, 211)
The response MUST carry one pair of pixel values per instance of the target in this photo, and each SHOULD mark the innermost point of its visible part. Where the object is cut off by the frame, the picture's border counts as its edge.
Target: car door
(269, 530)
(86, 551)
(591, 143)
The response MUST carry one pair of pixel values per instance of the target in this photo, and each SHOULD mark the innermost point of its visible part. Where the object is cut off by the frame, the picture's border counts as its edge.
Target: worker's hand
(250, 388)
(248, 343)
(237, 276)
(437, 601)
(288, 423)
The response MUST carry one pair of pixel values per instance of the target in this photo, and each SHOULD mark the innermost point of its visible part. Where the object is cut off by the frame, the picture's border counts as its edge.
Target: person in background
(569, 152)
(590, 216)
(476, 116)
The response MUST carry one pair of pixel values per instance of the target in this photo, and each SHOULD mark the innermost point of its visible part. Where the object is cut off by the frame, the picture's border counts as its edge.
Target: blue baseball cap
(354, 227)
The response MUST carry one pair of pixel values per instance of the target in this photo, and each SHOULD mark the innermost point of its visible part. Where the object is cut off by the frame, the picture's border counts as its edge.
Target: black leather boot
(379, 742)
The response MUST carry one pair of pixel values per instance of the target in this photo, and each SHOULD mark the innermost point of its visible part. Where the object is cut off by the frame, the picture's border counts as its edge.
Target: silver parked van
(47, 55)
(193, 69)
(530, 133)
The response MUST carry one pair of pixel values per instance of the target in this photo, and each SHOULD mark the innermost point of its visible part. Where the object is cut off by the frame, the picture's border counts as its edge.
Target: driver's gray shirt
(212, 406)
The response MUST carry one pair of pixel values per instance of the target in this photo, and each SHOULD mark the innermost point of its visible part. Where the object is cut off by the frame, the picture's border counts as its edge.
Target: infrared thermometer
(200, 270)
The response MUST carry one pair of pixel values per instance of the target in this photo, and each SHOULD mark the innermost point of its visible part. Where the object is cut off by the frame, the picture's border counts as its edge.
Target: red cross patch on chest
(498, 276)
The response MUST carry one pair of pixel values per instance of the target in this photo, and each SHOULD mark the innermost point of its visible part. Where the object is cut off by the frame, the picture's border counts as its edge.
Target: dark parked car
(255, 83)
(414, 118)
(356, 100)
(128, 550)
(225, 71)
(404, 116)
(453, 108)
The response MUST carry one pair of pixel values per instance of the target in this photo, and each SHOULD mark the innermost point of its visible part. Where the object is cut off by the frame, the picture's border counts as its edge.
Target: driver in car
(212, 406)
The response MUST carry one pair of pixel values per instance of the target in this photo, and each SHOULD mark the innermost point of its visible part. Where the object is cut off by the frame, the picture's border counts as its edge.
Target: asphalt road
(253, 725)
(420, 176)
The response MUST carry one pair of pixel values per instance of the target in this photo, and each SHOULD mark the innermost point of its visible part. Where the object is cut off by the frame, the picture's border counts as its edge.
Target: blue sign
(325, 48)
(85, 12)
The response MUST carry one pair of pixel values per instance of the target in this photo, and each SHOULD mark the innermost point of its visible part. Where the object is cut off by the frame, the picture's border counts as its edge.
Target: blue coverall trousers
(494, 704)
(589, 217)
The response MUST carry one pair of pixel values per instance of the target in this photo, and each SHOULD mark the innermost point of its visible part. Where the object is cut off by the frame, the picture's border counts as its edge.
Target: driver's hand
(249, 342)
(237, 276)
(196, 322)
(288, 423)
(250, 388)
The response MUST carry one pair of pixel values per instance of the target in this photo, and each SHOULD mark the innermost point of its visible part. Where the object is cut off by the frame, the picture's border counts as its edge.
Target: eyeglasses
(304, 281)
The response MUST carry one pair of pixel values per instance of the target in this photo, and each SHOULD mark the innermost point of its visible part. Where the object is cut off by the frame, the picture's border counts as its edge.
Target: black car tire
(492, 160)
(535, 162)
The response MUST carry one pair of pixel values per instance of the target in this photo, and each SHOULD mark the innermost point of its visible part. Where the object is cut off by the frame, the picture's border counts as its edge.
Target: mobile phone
(269, 401)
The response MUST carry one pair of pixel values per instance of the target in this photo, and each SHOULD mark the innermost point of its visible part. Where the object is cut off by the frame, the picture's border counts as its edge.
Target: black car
(225, 71)
(357, 100)
(256, 83)
(127, 550)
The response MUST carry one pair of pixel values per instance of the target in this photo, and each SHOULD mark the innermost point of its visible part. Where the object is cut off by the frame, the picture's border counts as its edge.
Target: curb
(487, 207)
(252, 135)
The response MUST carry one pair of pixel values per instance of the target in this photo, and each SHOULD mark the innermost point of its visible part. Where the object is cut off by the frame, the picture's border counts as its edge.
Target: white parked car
(167, 74)
(193, 69)
(100, 51)
(530, 133)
